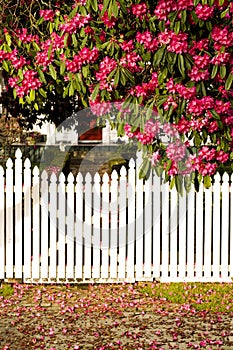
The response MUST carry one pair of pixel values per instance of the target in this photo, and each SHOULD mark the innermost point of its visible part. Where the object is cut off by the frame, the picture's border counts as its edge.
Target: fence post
(122, 224)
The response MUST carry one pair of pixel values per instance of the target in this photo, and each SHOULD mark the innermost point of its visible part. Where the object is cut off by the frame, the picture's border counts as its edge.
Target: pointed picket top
(27, 163)
(18, 154)
(70, 178)
(105, 178)
(97, 178)
(225, 178)
(36, 171)
(9, 163)
(53, 178)
(79, 177)
(44, 175)
(123, 172)
(132, 163)
(114, 176)
(88, 178)
(217, 178)
(62, 177)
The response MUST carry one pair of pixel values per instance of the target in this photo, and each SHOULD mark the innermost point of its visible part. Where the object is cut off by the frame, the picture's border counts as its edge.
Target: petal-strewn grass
(119, 316)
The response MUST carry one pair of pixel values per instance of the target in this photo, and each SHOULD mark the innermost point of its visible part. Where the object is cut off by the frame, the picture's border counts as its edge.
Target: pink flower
(204, 12)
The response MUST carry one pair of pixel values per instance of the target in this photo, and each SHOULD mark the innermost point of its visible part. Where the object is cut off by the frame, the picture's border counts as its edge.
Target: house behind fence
(111, 228)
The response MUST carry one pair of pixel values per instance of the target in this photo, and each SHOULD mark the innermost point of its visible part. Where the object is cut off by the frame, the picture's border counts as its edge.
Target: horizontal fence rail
(112, 228)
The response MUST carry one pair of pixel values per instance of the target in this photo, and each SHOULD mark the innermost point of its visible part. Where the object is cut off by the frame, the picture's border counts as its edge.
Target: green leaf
(122, 78)
(221, 2)
(177, 27)
(223, 71)
(207, 181)
(62, 67)
(214, 71)
(71, 89)
(5, 66)
(53, 72)
(215, 114)
(129, 75)
(43, 92)
(74, 40)
(229, 81)
(179, 184)
(181, 65)
(94, 5)
(114, 8)
(85, 71)
(41, 75)
(116, 77)
(95, 92)
(158, 56)
(183, 16)
(105, 5)
(8, 39)
(36, 106)
(32, 95)
(145, 168)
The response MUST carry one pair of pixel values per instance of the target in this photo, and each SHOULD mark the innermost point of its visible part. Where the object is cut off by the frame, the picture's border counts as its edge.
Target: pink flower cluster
(222, 37)
(23, 36)
(100, 108)
(150, 43)
(106, 67)
(109, 22)
(177, 43)
(204, 12)
(197, 74)
(197, 107)
(29, 82)
(85, 56)
(130, 61)
(164, 8)
(72, 25)
(183, 91)
(139, 10)
(48, 15)
(146, 88)
(176, 151)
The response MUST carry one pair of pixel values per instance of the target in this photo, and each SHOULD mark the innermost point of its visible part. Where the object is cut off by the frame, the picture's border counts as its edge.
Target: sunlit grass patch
(6, 290)
(216, 297)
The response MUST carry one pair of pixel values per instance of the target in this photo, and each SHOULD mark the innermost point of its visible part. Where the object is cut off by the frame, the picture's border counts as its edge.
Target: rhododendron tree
(170, 60)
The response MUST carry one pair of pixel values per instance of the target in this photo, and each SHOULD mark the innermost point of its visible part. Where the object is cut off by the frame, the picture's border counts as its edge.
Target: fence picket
(105, 227)
(53, 227)
(96, 226)
(207, 232)
(231, 228)
(148, 228)
(165, 230)
(122, 224)
(190, 233)
(131, 197)
(225, 226)
(113, 224)
(216, 226)
(70, 227)
(139, 220)
(61, 227)
(18, 215)
(35, 224)
(44, 226)
(27, 252)
(182, 235)
(199, 223)
(9, 219)
(79, 227)
(2, 224)
(88, 226)
(157, 210)
(173, 233)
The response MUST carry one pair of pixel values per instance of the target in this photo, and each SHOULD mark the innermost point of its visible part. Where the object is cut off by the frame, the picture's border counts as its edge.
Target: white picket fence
(111, 229)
